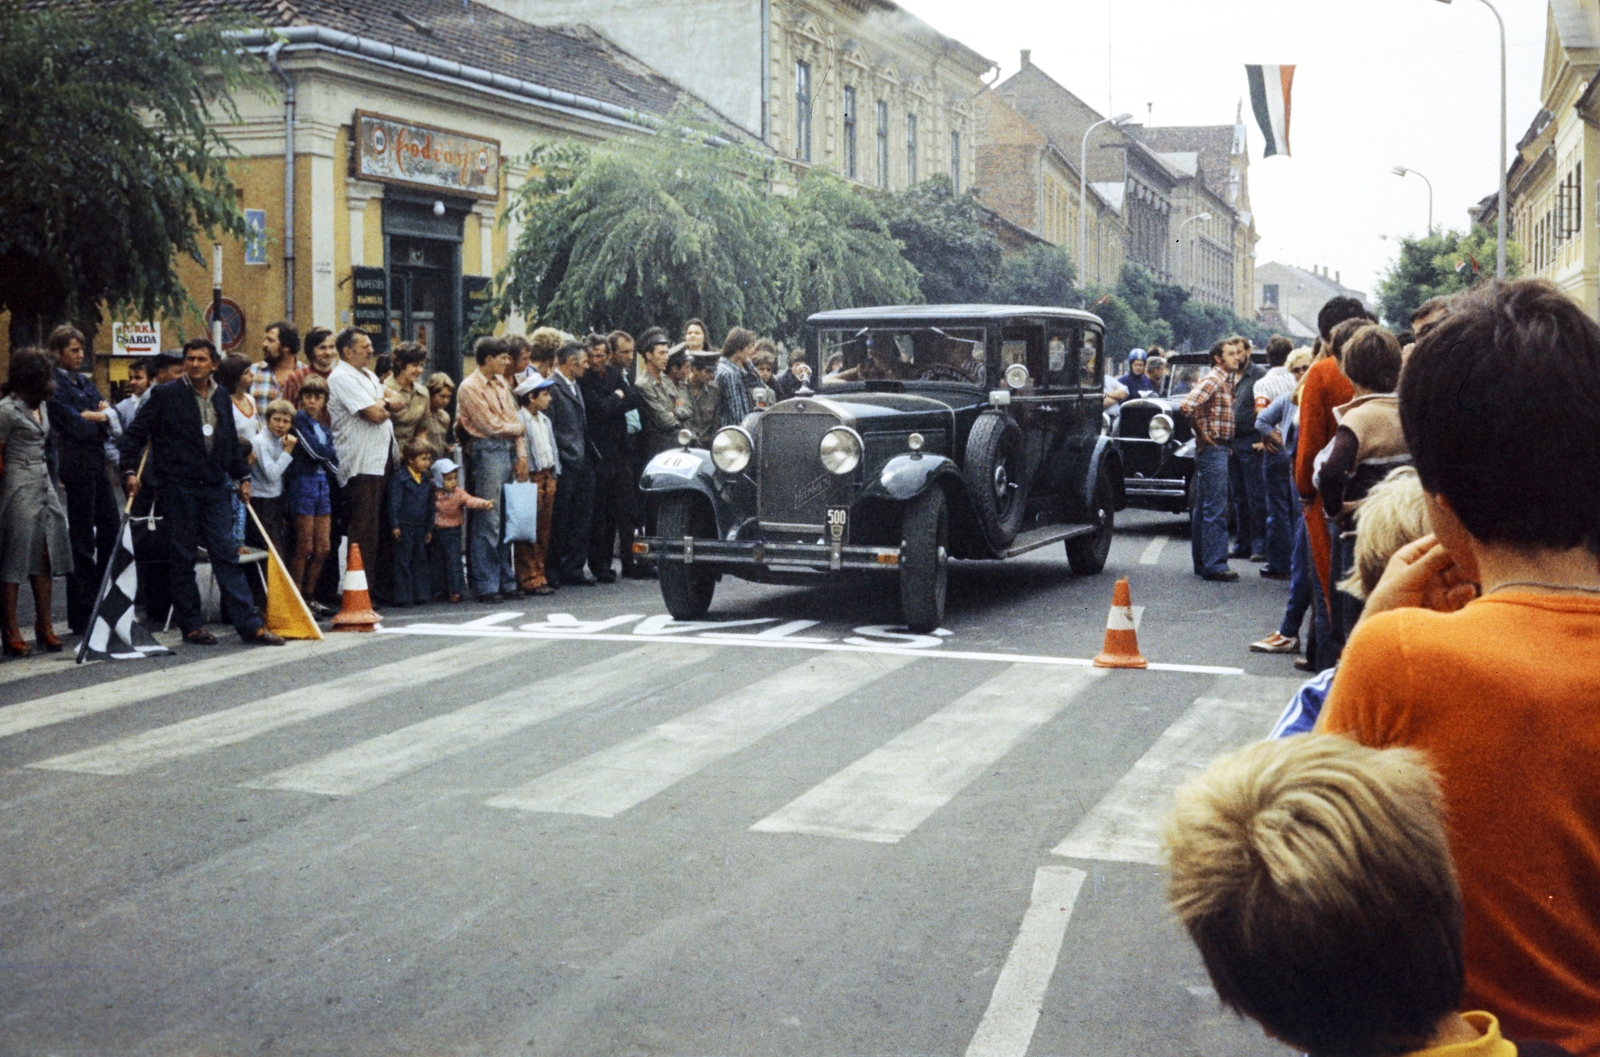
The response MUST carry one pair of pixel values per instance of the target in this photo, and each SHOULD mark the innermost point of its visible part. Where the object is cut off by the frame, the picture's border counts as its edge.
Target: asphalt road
(558, 827)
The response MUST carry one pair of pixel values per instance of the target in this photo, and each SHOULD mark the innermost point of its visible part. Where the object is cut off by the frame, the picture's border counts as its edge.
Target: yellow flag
(287, 614)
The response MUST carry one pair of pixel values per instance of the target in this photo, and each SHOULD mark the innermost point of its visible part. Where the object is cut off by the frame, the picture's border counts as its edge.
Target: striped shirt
(735, 401)
(1210, 404)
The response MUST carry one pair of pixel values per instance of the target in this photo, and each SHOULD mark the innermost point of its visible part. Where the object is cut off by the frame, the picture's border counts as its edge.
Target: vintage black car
(937, 432)
(1156, 442)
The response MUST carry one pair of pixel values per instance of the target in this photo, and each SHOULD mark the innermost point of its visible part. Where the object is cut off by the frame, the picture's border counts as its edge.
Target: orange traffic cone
(355, 605)
(1122, 639)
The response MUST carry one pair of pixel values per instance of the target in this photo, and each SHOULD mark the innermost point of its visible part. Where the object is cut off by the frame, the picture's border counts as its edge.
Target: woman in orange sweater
(1502, 690)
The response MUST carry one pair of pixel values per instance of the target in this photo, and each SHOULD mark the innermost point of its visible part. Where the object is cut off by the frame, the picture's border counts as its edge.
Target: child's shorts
(311, 497)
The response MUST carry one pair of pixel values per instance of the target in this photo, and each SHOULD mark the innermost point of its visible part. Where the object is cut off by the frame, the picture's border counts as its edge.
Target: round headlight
(1017, 375)
(731, 449)
(914, 442)
(1161, 429)
(840, 449)
(685, 437)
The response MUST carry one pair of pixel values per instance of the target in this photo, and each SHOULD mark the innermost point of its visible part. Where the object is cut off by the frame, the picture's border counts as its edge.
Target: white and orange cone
(1122, 637)
(355, 604)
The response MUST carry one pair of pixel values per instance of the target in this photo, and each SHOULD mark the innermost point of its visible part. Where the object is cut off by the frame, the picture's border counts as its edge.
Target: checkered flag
(113, 632)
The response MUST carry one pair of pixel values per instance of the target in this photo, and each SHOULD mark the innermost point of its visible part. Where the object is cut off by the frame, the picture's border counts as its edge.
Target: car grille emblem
(807, 492)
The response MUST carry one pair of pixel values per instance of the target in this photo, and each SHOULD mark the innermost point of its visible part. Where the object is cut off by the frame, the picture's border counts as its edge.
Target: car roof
(930, 313)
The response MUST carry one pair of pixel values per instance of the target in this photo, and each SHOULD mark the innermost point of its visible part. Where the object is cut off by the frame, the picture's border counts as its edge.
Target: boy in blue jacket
(411, 514)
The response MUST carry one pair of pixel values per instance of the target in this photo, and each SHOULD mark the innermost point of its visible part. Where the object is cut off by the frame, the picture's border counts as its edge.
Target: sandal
(14, 646)
(44, 637)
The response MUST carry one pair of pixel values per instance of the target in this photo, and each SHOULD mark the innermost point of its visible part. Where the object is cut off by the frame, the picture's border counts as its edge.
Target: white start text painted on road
(758, 633)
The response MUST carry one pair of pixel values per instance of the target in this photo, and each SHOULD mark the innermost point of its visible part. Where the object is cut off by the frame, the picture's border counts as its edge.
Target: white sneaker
(1275, 643)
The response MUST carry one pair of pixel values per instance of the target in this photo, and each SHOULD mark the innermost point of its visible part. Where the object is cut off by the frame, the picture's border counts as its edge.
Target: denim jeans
(1283, 513)
(1208, 529)
(1300, 576)
(447, 561)
(203, 514)
(489, 559)
(1249, 498)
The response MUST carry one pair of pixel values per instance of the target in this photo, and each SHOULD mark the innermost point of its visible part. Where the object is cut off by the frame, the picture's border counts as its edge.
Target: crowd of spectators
(350, 449)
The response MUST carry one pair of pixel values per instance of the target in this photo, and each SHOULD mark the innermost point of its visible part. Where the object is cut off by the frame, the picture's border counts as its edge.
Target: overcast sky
(1377, 83)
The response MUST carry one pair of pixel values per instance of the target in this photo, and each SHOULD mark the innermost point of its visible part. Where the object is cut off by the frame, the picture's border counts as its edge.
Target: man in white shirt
(360, 406)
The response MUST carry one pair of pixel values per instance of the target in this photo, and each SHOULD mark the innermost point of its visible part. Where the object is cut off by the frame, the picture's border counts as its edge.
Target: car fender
(690, 470)
(1089, 455)
(907, 476)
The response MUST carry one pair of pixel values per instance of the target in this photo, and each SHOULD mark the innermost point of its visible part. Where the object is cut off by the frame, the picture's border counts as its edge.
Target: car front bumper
(819, 557)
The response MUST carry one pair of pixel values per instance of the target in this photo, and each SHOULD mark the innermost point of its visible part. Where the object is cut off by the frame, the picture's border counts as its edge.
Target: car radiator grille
(793, 488)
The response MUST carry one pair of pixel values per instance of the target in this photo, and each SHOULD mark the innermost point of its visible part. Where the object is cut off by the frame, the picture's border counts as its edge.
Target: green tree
(844, 256)
(1040, 275)
(1440, 263)
(112, 167)
(650, 231)
(945, 240)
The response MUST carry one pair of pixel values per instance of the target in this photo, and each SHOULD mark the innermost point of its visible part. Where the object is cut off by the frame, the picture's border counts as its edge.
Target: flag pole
(273, 554)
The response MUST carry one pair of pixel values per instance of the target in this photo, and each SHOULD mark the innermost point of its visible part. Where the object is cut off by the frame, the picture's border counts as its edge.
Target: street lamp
(1401, 170)
(1191, 220)
(1083, 193)
(1500, 217)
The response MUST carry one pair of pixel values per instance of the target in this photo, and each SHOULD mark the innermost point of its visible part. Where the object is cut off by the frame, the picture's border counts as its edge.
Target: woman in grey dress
(33, 521)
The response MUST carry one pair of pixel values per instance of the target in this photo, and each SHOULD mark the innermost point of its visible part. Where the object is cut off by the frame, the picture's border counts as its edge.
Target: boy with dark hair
(411, 514)
(1481, 645)
(1314, 876)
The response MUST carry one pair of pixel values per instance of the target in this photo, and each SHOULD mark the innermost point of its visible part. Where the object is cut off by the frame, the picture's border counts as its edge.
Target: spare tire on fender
(995, 477)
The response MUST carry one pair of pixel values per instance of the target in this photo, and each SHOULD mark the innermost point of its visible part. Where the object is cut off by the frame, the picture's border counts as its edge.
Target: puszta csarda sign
(391, 150)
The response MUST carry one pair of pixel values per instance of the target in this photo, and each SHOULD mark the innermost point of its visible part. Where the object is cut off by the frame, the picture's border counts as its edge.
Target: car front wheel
(924, 561)
(685, 588)
(1087, 554)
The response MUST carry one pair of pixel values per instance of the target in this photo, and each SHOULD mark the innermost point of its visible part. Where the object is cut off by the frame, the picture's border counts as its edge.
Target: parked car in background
(942, 431)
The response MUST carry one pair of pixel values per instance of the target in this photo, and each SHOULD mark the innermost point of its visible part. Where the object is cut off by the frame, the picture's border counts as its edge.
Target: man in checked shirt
(1209, 408)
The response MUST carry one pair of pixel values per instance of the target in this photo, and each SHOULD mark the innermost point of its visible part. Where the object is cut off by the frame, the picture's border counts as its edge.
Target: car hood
(865, 410)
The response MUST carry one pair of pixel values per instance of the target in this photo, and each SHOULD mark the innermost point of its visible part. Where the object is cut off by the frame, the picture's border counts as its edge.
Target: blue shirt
(1136, 384)
(76, 393)
(1283, 417)
(1304, 708)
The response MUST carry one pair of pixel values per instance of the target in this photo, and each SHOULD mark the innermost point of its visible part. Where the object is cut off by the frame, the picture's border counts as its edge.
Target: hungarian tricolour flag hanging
(1269, 98)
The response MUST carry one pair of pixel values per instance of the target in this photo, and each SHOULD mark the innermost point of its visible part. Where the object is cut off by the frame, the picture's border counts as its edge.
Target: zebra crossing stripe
(1007, 1026)
(1125, 826)
(167, 680)
(217, 729)
(890, 792)
(398, 753)
(613, 780)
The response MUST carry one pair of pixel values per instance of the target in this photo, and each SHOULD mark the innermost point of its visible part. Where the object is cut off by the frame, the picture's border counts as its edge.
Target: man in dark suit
(574, 506)
(196, 461)
(607, 398)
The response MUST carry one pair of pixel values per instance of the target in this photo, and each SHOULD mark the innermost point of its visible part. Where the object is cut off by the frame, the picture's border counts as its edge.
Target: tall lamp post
(1083, 194)
(1401, 170)
(1186, 263)
(1500, 213)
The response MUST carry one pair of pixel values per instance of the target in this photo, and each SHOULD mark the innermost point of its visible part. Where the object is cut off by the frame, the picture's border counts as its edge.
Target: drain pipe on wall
(288, 180)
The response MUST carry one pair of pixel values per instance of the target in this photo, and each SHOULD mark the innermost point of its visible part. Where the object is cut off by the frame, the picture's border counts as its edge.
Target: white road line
(888, 793)
(230, 726)
(382, 759)
(1125, 826)
(1152, 551)
(166, 680)
(616, 779)
(1006, 1029)
(801, 644)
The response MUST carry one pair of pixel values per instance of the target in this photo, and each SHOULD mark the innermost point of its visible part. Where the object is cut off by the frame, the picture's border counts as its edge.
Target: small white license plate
(678, 463)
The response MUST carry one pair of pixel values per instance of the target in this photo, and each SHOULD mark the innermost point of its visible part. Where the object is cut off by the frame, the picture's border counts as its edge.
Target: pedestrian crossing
(893, 788)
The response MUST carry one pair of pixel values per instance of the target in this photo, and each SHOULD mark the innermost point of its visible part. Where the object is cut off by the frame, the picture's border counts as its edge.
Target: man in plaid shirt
(1209, 408)
(279, 347)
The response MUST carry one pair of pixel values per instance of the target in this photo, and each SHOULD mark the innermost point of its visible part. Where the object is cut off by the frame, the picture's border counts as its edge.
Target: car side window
(1088, 361)
(1022, 345)
(1061, 361)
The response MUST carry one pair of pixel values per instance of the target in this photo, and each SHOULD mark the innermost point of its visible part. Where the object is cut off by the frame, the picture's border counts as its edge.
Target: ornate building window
(802, 110)
(883, 144)
(850, 132)
(955, 161)
(911, 150)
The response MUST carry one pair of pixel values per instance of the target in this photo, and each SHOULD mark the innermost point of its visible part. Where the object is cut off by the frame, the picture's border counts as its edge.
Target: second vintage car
(945, 432)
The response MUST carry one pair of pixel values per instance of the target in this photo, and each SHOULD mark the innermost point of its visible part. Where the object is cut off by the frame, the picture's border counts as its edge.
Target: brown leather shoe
(200, 637)
(264, 637)
(44, 637)
(14, 646)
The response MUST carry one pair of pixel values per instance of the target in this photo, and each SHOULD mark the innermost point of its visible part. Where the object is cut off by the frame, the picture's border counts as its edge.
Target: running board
(1043, 537)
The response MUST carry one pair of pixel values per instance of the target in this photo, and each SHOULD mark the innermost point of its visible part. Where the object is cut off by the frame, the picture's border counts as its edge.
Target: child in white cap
(450, 501)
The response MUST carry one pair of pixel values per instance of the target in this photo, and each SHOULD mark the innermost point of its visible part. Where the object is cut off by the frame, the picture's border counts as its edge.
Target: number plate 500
(838, 521)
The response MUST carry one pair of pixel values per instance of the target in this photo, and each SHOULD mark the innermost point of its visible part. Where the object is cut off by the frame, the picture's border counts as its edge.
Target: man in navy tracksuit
(196, 461)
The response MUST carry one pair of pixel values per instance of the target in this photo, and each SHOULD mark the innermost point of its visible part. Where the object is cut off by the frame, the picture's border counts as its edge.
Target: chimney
(1336, 281)
(1027, 58)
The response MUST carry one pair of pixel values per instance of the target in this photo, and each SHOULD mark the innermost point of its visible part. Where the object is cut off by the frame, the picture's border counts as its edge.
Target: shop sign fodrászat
(395, 151)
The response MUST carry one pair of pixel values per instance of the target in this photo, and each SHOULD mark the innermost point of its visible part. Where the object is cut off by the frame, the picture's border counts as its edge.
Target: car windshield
(923, 354)
(1182, 377)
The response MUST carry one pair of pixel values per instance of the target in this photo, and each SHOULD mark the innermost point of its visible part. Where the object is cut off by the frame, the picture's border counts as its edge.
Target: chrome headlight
(1161, 429)
(731, 449)
(1017, 376)
(840, 450)
(685, 437)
